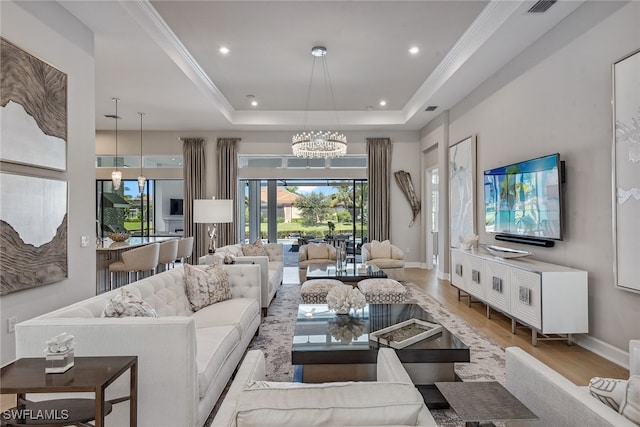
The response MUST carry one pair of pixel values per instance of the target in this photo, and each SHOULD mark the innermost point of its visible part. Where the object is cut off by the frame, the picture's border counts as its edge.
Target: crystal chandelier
(141, 178)
(319, 144)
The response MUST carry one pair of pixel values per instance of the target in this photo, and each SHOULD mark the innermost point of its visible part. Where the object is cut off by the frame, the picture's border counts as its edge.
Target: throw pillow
(254, 249)
(126, 304)
(609, 391)
(380, 249)
(206, 286)
(630, 406)
(317, 251)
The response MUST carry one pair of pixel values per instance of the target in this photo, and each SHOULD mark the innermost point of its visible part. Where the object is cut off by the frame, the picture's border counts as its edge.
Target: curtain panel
(378, 174)
(194, 188)
(227, 151)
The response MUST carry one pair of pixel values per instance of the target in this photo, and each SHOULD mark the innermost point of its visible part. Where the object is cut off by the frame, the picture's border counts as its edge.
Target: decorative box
(405, 333)
(58, 363)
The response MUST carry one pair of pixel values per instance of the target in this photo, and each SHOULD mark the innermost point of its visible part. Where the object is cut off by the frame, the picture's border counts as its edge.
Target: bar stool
(168, 254)
(185, 249)
(140, 259)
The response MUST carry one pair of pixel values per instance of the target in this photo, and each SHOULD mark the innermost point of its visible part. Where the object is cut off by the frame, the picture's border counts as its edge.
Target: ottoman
(383, 291)
(315, 291)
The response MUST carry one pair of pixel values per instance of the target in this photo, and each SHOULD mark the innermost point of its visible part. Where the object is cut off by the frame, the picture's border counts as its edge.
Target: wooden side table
(89, 374)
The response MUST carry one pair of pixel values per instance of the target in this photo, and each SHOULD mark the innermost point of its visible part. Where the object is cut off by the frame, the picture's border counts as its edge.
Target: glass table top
(353, 271)
(320, 330)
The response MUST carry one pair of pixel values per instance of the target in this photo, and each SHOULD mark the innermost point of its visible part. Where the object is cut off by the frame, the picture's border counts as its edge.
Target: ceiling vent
(431, 108)
(541, 6)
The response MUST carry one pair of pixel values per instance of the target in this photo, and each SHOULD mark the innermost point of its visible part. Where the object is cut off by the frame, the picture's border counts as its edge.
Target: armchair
(314, 253)
(387, 257)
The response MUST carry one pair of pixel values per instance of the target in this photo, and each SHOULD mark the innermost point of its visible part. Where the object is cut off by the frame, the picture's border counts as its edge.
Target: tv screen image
(524, 199)
(175, 207)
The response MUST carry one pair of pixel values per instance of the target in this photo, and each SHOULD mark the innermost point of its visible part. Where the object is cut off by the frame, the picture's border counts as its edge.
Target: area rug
(276, 335)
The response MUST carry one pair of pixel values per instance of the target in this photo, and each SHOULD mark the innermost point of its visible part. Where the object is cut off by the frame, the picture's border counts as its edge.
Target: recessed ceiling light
(414, 50)
(224, 50)
(383, 103)
(254, 103)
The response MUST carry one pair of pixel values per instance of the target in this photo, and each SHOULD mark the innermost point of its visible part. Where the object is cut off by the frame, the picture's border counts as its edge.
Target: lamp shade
(212, 211)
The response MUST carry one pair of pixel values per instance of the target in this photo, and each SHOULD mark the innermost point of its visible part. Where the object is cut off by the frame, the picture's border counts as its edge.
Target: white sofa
(185, 359)
(554, 399)
(271, 267)
(391, 400)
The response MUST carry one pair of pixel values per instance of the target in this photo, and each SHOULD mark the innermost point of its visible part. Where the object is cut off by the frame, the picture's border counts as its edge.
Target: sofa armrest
(245, 280)
(302, 253)
(251, 369)
(263, 262)
(166, 350)
(275, 251)
(554, 399)
(634, 357)
(365, 253)
(389, 367)
(396, 252)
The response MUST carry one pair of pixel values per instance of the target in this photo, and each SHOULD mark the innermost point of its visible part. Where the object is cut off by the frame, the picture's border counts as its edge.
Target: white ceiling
(162, 58)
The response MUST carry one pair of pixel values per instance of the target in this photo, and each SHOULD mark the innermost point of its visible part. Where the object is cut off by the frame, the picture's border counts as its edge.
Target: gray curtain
(194, 188)
(227, 150)
(379, 176)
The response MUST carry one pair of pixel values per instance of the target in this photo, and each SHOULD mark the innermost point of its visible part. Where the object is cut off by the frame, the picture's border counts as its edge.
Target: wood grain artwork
(33, 101)
(33, 232)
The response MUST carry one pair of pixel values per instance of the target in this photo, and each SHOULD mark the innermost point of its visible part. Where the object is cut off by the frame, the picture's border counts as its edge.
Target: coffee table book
(405, 333)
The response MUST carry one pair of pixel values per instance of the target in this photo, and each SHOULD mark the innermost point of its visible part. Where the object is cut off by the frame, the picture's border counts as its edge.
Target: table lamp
(212, 211)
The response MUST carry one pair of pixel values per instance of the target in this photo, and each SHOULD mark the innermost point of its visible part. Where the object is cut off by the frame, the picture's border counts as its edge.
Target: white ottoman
(315, 291)
(383, 291)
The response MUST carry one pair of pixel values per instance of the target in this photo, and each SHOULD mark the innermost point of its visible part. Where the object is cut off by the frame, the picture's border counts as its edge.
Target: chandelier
(116, 175)
(319, 144)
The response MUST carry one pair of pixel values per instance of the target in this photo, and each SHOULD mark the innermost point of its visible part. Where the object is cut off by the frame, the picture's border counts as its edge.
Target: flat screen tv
(525, 199)
(175, 207)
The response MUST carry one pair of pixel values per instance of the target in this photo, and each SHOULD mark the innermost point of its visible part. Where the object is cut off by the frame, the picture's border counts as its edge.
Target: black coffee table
(330, 347)
(350, 274)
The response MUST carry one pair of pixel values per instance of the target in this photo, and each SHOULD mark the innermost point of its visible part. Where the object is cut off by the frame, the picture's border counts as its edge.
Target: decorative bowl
(119, 237)
(505, 253)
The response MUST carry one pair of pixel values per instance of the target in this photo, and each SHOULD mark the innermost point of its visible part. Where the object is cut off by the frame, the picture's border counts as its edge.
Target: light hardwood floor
(574, 362)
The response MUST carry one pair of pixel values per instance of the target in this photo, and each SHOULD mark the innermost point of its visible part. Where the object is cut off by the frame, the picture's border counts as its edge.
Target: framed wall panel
(626, 171)
(462, 200)
(33, 110)
(33, 231)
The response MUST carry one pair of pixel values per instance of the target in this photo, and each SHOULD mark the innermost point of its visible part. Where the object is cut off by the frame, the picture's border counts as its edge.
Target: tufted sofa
(314, 254)
(271, 267)
(390, 400)
(391, 261)
(185, 359)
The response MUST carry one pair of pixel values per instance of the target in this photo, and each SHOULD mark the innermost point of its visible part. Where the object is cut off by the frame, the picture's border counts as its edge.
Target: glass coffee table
(350, 274)
(330, 347)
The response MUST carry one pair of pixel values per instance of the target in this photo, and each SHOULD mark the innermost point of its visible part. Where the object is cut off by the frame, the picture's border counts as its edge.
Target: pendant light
(141, 178)
(116, 175)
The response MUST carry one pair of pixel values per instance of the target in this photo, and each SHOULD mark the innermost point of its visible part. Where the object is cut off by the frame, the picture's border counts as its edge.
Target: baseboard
(601, 348)
(443, 276)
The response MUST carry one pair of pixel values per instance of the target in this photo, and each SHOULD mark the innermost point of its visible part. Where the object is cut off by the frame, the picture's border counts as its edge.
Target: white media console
(548, 298)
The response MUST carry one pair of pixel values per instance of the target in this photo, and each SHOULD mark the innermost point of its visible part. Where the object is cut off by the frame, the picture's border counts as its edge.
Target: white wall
(556, 97)
(47, 31)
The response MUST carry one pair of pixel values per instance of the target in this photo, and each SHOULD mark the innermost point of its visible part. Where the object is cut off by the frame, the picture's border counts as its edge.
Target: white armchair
(387, 257)
(314, 254)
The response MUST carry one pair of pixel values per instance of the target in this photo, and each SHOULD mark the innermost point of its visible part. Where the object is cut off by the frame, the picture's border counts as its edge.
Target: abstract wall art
(33, 231)
(626, 171)
(462, 178)
(33, 110)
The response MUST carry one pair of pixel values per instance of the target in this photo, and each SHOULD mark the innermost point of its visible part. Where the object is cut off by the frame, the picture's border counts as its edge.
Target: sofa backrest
(163, 291)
